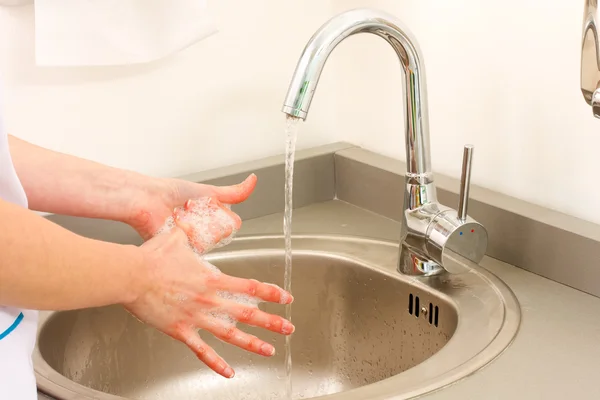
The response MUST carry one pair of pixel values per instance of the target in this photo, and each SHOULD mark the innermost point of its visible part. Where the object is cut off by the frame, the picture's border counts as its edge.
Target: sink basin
(363, 331)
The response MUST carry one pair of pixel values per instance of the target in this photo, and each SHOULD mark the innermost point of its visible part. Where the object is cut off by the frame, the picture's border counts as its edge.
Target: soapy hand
(183, 293)
(156, 201)
(207, 222)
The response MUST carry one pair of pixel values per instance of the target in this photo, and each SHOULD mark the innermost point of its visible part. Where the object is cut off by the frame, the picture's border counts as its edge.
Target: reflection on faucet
(590, 57)
(429, 229)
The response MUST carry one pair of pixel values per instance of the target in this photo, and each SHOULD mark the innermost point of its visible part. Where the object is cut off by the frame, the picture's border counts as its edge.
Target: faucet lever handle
(595, 103)
(465, 182)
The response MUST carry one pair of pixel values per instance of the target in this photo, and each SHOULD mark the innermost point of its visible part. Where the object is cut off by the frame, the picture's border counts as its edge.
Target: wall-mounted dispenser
(590, 57)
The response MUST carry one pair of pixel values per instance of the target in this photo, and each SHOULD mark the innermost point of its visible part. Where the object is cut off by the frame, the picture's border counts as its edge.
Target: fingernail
(285, 297)
(228, 372)
(187, 204)
(267, 350)
(176, 213)
(287, 328)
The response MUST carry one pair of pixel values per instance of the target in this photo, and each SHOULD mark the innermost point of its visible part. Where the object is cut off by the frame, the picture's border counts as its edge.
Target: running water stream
(291, 132)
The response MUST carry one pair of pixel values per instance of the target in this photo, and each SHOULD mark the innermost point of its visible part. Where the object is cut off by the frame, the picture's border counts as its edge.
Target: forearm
(64, 184)
(46, 267)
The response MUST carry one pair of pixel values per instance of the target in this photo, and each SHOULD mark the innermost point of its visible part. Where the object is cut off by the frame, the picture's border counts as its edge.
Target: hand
(156, 201)
(181, 293)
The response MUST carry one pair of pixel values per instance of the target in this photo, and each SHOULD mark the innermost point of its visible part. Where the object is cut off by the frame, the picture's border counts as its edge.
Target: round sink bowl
(363, 331)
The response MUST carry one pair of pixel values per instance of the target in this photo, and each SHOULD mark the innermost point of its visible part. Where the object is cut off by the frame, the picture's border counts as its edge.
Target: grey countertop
(556, 354)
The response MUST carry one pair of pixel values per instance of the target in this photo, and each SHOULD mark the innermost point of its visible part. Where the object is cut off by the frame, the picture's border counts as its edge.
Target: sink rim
(408, 384)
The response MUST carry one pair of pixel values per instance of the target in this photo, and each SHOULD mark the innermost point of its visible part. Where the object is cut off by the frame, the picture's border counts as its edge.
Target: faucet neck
(316, 52)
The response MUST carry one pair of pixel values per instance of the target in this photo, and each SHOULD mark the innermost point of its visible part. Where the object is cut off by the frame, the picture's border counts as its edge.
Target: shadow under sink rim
(470, 292)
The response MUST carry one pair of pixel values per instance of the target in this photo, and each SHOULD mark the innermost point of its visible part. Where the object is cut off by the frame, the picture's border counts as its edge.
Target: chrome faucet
(590, 57)
(430, 230)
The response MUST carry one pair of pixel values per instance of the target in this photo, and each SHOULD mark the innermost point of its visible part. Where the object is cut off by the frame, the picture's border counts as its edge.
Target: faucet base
(412, 263)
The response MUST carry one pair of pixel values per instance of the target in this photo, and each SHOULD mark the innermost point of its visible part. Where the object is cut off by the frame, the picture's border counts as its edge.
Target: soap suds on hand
(207, 219)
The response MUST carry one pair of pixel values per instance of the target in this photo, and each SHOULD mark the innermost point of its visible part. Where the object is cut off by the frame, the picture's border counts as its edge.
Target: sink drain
(414, 308)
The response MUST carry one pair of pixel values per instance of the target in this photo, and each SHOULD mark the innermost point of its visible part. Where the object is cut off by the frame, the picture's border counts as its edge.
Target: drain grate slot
(431, 313)
(417, 306)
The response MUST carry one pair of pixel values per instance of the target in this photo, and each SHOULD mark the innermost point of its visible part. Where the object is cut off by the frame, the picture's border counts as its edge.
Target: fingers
(211, 208)
(236, 220)
(214, 205)
(182, 220)
(204, 352)
(232, 335)
(254, 317)
(206, 222)
(236, 193)
(254, 288)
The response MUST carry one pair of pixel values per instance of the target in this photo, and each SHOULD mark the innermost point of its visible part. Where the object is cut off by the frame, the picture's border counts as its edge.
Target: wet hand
(181, 293)
(157, 199)
(207, 222)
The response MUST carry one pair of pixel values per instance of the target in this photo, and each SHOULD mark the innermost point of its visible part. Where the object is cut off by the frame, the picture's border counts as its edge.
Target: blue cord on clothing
(12, 327)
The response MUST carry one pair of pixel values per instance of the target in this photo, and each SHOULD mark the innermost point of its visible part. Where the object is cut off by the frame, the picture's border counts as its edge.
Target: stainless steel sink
(363, 331)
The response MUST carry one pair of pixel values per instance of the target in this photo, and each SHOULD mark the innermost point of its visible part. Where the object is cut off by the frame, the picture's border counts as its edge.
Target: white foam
(167, 226)
(207, 220)
(226, 319)
(284, 297)
(240, 298)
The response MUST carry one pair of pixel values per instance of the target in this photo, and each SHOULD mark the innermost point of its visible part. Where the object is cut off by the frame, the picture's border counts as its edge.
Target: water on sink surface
(352, 328)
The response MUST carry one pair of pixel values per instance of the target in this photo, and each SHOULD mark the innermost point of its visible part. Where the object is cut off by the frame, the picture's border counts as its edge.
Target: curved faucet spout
(316, 52)
(429, 230)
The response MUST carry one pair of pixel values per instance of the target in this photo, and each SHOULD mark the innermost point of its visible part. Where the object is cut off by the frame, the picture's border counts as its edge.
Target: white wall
(214, 104)
(501, 75)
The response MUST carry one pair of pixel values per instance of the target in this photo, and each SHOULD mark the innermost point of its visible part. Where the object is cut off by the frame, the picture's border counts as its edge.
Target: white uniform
(17, 327)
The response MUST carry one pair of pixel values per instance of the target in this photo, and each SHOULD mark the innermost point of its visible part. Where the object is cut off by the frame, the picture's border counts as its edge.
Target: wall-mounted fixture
(590, 57)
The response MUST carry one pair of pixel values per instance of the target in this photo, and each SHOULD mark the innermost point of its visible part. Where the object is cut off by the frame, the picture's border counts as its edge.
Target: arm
(63, 184)
(44, 266)
(162, 283)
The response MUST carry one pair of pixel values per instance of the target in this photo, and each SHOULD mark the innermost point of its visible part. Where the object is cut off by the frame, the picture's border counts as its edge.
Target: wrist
(151, 204)
(136, 274)
(141, 192)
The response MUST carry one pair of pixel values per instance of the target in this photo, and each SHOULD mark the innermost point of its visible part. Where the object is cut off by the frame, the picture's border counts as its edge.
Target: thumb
(236, 193)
